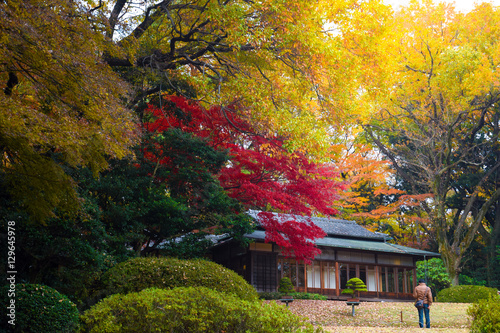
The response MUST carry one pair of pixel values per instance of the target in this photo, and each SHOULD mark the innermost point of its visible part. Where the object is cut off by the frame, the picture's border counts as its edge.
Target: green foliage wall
(141, 273)
(481, 267)
(192, 309)
(66, 253)
(38, 309)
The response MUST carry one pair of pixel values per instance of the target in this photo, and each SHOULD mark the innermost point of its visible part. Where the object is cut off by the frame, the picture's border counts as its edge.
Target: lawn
(336, 316)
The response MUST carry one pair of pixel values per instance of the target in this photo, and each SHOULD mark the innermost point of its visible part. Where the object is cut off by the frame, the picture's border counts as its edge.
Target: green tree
(354, 286)
(286, 286)
(434, 273)
(68, 253)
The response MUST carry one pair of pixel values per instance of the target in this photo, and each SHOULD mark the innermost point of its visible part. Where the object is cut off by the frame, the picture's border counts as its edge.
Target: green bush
(286, 286)
(142, 273)
(485, 316)
(266, 295)
(192, 309)
(354, 285)
(317, 297)
(38, 308)
(465, 294)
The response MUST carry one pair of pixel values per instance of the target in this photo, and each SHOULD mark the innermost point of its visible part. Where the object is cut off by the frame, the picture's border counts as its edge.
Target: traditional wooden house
(348, 250)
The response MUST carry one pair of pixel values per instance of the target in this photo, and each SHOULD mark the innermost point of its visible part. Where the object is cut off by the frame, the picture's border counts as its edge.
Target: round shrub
(286, 286)
(141, 273)
(354, 285)
(191, 309)
(485, 316)
(38, 308)
(465, 294)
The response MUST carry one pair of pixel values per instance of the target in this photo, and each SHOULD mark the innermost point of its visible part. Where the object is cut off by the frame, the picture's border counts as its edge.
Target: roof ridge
(333, 227)
(306, 216)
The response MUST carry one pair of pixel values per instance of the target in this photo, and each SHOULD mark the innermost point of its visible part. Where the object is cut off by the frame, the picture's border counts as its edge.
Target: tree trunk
(494, 237)
(451, 258)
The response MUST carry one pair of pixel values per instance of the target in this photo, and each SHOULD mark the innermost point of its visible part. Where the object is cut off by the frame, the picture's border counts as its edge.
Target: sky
(460, 5)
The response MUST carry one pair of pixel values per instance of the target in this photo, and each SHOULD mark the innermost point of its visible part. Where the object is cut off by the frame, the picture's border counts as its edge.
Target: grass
(336, 316)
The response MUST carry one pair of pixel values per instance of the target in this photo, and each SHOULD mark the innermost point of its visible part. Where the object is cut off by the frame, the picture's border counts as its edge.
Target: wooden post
(396, 281)
(337, 278)
(414, 279)
(386, 279)
(305, 276)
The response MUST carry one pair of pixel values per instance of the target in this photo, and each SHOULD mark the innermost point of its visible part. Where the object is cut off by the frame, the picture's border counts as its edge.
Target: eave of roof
(332, 227)
(356, 244)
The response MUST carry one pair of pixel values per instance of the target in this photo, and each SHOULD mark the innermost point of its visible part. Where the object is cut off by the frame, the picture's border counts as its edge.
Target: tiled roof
(346, 234)
(332, 227)
(356, 244)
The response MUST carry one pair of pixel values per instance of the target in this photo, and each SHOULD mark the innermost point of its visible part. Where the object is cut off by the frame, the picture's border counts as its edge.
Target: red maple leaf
(261, 174)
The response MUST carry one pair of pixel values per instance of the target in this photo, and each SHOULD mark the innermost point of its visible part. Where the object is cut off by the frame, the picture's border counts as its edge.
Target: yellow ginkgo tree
(437, 120)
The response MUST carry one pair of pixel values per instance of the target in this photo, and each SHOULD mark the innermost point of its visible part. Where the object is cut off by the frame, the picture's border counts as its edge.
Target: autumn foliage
(373, 198)
(60, 104)
(262, 173)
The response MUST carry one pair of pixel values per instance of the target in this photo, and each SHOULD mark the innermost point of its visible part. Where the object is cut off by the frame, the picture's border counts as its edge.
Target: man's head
(421, 281)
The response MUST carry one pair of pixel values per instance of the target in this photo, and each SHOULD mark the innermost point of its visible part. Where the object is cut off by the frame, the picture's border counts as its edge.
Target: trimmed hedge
(141, 273)
(312, 296)
(192, 309)
(485, 316)
(465, 294)
(278, 295)
(38, 309)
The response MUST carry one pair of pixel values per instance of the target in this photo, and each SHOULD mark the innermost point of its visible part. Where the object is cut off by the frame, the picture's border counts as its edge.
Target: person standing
(423, 292)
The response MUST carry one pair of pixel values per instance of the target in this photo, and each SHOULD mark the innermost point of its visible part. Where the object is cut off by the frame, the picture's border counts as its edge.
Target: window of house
(370, 282)
(401, 280)
(314, 275)
(301, 279)
(382, 279)
(343, 275)
(329, 277)
(390, 280)
(264, 272)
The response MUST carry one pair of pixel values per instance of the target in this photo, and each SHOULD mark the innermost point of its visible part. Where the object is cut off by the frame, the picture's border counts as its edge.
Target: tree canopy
(157, 123)
(283, 63)
(61, 103)
(438, 121)
(261, 173)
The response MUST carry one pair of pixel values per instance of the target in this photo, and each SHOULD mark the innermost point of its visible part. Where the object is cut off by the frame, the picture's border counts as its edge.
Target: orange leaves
(371, 196)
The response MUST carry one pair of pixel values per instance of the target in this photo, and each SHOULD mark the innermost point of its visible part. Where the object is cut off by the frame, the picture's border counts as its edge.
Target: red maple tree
(262, 174)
